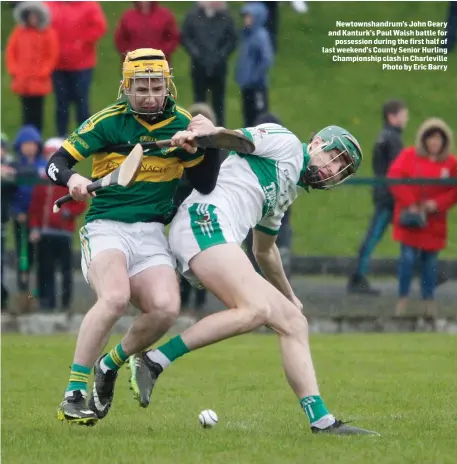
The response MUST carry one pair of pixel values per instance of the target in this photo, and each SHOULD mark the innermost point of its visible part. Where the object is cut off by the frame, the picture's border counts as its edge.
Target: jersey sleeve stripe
(183, 111)
(247, 134)
(192, 163)
(73, 151)
(109, 109)
(265, 230)
(115, 113)
(278, 131)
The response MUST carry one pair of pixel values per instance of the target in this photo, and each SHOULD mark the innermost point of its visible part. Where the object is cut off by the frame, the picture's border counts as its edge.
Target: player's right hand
(77, 186)
(185, 140)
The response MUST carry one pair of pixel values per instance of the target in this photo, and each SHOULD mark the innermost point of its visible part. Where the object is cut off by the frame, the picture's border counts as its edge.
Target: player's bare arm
(269, 259)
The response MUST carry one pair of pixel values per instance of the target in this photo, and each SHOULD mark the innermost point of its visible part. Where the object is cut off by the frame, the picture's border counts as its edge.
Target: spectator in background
(254, 61)
(284, 240)
(387, 147)
(420, 218)
(272, 23)
(209, 36)
(8, 185)
(147, 25)
(183, 191)
(31, 57)
(79, 26)
(52, 233)
(28, 148)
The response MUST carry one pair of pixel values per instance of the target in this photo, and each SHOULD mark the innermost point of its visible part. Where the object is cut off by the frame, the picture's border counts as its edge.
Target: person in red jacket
(53, 235)
(79, 26)
(31, 56)
(420, 214)
(147, 25)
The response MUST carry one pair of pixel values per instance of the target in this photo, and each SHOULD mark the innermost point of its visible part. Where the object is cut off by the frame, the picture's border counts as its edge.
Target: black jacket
(8, 192)
(209, 40)
(387, 147)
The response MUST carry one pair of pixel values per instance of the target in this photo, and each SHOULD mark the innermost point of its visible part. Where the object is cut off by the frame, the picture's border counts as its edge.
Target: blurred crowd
(53, 48)
(418, 212)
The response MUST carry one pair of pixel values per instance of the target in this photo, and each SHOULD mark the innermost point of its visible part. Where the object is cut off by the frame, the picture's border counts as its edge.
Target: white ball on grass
(208, 419)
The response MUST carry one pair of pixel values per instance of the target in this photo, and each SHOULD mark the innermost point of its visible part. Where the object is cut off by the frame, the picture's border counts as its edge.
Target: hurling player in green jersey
(125, 253)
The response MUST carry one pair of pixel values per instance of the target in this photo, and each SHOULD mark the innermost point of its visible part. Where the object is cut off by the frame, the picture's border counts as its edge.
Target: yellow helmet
(146, 63)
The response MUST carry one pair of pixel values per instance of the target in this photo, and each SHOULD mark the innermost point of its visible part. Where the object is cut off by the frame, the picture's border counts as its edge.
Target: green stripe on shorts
(85, 245)
(205, 225)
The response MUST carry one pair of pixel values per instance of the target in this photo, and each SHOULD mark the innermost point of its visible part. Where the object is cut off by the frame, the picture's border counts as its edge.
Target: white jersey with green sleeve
(255, 190)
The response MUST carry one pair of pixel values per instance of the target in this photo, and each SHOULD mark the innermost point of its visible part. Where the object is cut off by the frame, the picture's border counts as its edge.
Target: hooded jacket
(414, 162)
(255, 56)
(41, 216)
(79, 26)
(32, 53)
(156, 29)
(23, 195)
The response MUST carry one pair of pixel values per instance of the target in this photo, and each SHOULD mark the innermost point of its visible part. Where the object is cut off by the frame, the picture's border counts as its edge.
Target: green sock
(174, 348)
(115, 358)
(314, 408)
(79, 376)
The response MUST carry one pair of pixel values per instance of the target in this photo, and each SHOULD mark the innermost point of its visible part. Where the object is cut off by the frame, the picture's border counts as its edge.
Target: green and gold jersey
(152, 193)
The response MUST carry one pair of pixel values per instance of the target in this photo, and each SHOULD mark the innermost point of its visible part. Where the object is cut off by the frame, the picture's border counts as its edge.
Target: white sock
(324, 422)
(159, 358)
(70, 393)
(103, 366)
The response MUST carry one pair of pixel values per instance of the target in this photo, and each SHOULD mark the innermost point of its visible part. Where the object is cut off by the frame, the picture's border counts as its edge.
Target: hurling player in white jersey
(252, 191)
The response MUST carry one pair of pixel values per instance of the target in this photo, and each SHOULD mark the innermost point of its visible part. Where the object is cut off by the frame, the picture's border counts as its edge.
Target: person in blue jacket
(29, 162)
(255, 58)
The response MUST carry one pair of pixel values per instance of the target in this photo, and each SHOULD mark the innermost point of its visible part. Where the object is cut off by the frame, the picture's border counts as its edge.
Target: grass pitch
(400, 385)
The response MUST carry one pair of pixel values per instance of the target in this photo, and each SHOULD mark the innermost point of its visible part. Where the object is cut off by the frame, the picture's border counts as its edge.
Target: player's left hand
(185, 140)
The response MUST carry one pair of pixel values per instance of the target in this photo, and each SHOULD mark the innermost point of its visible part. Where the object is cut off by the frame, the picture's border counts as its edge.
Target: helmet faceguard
(147, 81)
(335, 155)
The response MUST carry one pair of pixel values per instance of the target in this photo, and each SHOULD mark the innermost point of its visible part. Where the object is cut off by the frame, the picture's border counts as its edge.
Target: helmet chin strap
(151, 115)
(311, 178)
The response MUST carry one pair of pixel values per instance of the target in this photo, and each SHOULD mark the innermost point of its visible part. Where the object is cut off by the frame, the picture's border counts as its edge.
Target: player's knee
(258, 313)
(165, 306)
(116, 301)
(287, 319)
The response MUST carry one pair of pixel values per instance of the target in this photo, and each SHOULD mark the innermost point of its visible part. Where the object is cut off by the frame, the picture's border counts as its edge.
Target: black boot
(359, 284)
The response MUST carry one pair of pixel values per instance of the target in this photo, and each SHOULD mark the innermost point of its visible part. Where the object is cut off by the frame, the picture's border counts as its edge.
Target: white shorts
(197, 227)
(143, 243)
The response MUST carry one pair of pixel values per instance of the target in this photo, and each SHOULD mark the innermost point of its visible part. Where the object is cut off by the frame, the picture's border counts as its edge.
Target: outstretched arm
(269, 260)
